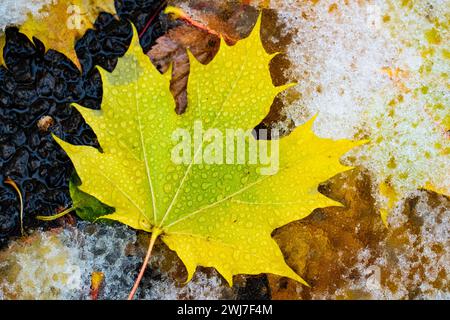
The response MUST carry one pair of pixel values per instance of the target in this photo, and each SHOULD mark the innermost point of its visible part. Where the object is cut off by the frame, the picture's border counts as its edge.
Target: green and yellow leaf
(215, 215)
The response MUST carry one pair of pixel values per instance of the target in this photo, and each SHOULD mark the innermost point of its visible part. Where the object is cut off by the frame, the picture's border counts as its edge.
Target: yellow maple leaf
(215, 214)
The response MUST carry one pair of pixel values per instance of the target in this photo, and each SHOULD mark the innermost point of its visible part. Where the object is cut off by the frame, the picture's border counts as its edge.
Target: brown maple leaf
(172, 49)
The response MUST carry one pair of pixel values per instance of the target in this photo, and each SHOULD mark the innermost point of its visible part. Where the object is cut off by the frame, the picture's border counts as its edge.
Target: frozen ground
(376, 70)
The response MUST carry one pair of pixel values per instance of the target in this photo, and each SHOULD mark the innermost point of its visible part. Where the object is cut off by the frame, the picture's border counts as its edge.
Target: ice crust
(418, 267)
(15, 11)
(58, 265)
(363, 67)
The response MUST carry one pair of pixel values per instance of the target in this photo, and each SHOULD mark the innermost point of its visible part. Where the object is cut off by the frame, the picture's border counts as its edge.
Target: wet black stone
(8, 217)
(46, 84)
(102, 46)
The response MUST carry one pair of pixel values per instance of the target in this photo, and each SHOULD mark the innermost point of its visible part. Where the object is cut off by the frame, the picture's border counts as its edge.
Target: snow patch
(374, 70)
(15, 12)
